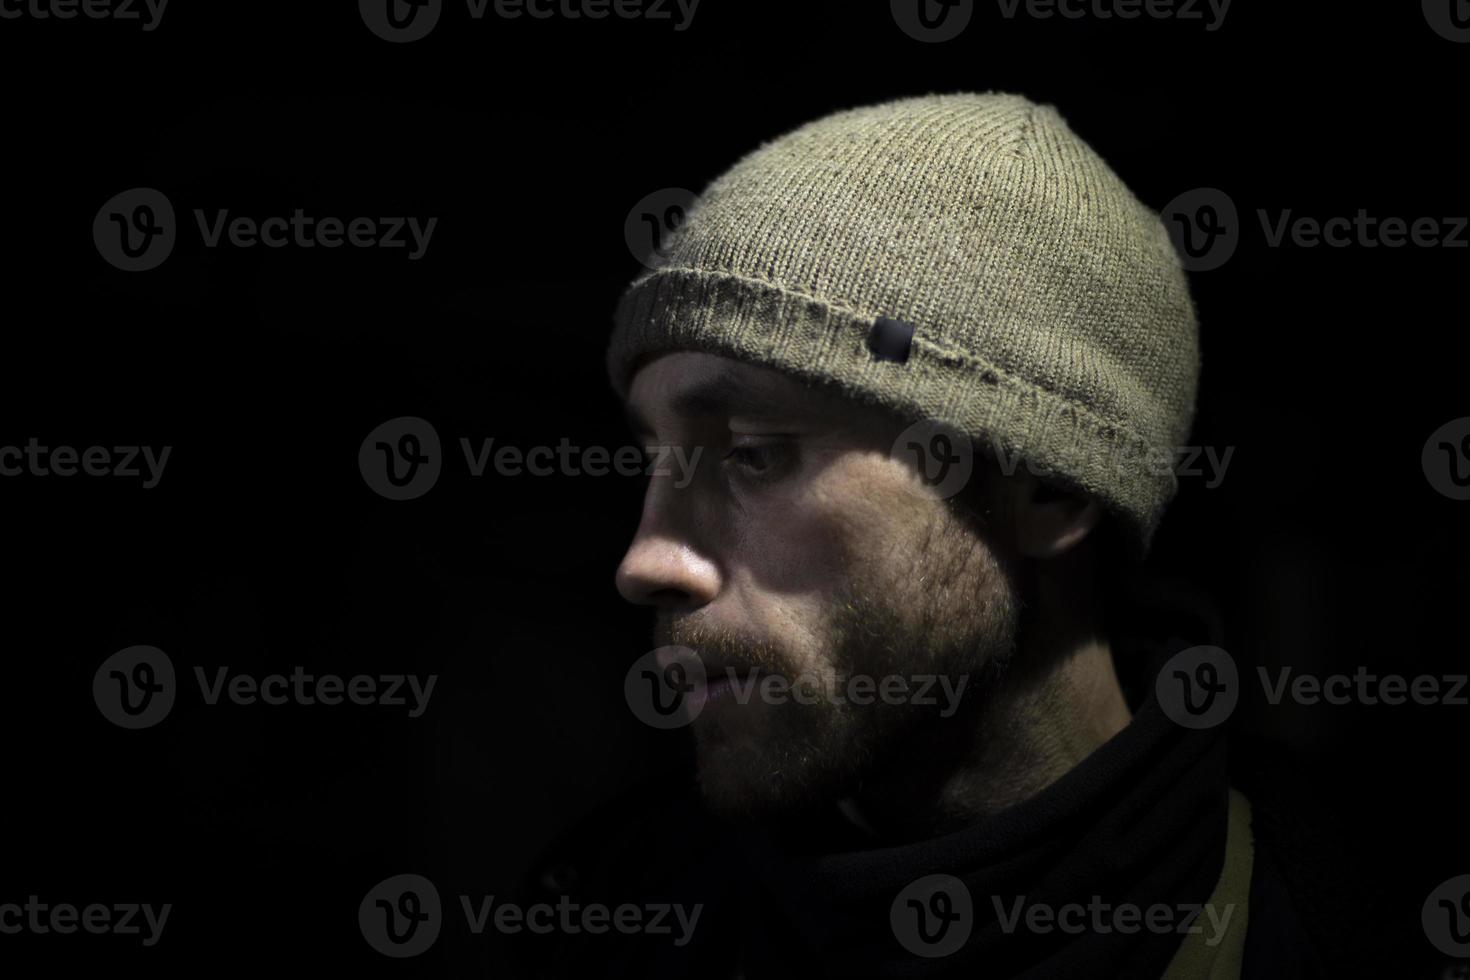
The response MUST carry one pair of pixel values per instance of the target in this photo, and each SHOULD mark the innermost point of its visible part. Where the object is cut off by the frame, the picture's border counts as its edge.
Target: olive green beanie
(959, 258)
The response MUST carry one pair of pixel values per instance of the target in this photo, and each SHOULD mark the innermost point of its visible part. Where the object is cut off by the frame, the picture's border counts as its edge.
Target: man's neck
(1059, 702)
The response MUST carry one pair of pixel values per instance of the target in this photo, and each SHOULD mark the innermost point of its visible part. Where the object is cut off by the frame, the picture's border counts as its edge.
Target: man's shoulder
(1286, 930)
(634, 840)
(652, 852)
(1277, 941)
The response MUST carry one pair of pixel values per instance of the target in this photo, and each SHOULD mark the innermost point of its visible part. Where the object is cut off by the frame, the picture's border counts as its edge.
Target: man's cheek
(794, 550)
(870, 509)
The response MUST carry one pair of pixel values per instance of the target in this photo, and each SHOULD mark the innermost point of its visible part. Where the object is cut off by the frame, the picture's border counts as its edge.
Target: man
(914, 755)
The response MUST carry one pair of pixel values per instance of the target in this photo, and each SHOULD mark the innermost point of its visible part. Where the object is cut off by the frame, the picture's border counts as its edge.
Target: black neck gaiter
(1140, 823)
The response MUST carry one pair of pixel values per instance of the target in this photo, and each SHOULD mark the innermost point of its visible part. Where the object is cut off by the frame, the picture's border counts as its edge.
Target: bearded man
(928, 350)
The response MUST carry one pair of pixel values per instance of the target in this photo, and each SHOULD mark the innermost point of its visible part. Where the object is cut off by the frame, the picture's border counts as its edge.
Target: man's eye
(759, 460)
(754, 458)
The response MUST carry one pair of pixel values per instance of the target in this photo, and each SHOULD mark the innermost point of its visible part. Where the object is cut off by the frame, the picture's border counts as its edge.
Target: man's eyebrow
(725, 395)
(722, 395)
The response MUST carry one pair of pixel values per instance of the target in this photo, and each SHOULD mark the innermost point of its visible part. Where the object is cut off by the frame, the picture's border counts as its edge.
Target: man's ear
(1048, 520)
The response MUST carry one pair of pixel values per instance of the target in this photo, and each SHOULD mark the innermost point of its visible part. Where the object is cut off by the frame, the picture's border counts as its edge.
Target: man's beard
(945, 611)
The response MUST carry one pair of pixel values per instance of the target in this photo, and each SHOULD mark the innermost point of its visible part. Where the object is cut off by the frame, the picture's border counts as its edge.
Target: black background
(262, 548)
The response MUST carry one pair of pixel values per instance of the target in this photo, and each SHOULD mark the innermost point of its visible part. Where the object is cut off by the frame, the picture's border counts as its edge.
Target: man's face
(803, 551)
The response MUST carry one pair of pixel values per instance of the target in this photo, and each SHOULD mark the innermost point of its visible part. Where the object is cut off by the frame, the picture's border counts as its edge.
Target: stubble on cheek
(867, 532)
(867, 574)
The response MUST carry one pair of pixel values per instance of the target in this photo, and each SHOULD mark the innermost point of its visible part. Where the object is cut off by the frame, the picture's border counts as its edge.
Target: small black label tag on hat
(890, 340)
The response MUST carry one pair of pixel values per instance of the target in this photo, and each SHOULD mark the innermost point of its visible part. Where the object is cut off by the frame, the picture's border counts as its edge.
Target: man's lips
(709, 679)
(717, 689)
(727, 674)
(720, 682)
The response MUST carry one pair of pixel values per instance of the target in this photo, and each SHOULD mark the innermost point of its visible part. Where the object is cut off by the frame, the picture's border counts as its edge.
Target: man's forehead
(700, 383)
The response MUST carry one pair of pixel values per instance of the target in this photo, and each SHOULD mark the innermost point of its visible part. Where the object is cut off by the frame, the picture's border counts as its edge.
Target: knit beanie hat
(963, 259)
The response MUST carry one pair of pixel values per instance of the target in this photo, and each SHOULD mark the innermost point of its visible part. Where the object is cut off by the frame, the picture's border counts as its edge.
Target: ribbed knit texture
(1053, 317)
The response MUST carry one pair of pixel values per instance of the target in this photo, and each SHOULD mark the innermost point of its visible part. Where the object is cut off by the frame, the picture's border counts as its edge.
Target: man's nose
(664, 566)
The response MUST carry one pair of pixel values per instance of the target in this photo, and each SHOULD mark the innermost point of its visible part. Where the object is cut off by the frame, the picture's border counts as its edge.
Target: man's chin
(742, 785)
